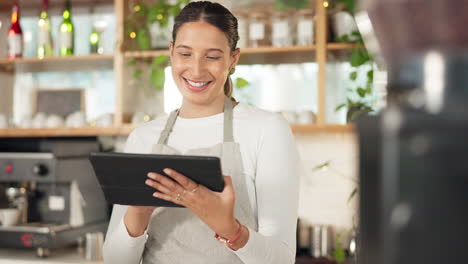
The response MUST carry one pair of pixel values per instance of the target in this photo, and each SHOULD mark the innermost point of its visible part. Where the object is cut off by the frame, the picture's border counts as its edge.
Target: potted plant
(357, 101)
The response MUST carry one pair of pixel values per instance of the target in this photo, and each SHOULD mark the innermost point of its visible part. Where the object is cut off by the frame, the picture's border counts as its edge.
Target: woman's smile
(196, 86)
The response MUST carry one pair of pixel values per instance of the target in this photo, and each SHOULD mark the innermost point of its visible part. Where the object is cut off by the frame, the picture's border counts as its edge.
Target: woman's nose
(197, 67)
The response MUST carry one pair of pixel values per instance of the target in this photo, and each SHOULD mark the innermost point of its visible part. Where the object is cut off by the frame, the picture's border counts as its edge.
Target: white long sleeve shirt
(271, 164)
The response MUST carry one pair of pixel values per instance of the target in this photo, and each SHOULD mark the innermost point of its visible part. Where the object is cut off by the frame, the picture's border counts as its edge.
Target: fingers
(184, 181)
(169, 198)
(168, 189)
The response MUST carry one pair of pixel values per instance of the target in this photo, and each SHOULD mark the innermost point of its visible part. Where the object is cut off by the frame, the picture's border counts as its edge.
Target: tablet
(122, 176)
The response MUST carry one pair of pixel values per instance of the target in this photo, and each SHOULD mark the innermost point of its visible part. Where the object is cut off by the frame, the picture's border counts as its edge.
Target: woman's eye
(212, 58)
(185, 54)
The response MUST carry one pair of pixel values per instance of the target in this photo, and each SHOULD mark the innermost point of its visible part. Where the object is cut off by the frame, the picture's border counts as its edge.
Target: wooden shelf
(126, 129)
(259, 50)
(93, 57)
(343, 46)
(260, 55)
(314, 128)
(56, 63)
(67, 132)
(145, 54)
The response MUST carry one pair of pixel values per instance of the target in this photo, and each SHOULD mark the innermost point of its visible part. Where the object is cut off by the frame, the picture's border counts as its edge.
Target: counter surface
(58, 256)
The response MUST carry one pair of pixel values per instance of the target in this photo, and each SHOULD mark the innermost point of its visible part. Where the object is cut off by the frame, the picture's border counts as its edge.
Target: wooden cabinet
(124, 93)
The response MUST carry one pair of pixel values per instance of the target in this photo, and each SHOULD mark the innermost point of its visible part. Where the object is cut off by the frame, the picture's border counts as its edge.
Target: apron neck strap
(228, 127)
(228, 120)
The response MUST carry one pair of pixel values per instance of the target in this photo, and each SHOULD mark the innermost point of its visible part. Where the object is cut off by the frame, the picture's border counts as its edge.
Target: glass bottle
(44, 38)
(282, 29)
(66, 31)
(15, 34)
(259, 30)
(242, 28)
(305, 27)
(94, 39)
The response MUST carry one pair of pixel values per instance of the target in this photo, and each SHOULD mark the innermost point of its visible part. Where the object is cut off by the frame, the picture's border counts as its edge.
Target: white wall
(324, 193)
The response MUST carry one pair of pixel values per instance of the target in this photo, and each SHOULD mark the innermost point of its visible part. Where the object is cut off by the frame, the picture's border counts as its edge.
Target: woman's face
(201, 59)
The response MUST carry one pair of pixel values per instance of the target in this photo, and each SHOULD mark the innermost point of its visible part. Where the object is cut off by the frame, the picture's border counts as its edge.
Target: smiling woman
(255, 215)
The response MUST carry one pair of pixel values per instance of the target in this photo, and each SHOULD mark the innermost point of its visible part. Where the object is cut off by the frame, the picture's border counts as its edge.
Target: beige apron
(176, 235)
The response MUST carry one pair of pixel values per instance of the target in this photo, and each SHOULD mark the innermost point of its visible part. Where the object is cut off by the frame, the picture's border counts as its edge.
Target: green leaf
(321, 166)
(356, 58)
(174, 10)
(143, 39)
(356, 34)
(157, 78)
(137, 74)
(356, 112)
(141, 9)
(132, 62)
(369, 88)
(370, 76)
(353, 193)
(361, 92)
(339, 107)
(160, 60)
(339, 254)
(353, 76)
(241, 83)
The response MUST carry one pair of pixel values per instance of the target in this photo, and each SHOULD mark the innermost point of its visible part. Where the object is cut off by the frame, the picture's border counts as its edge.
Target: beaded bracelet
(230, 242)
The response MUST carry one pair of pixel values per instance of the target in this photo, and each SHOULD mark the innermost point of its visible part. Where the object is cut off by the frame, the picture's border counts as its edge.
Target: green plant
(356, 100)
(358, 57)
(136, 26)
(288, 4)
(339, 254)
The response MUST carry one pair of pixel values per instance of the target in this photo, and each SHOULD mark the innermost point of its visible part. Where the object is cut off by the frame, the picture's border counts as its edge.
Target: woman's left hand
(216, 209)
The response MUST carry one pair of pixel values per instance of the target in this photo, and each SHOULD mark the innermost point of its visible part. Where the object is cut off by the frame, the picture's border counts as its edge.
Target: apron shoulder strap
(228, 120)
(169, 125)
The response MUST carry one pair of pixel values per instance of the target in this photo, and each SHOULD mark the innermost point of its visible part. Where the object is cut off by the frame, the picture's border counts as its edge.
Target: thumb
(228, 185)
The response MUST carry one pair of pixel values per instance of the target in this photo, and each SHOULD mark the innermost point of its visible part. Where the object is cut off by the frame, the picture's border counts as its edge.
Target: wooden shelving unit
(125, 96)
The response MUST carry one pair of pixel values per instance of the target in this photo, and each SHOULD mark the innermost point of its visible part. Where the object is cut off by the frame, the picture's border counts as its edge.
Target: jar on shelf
(282, 29)
(242, 28)
(259, 30)
(305, 27)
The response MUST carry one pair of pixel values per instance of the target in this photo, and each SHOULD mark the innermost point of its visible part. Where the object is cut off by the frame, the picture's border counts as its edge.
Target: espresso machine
(413, 169)
(51, 182)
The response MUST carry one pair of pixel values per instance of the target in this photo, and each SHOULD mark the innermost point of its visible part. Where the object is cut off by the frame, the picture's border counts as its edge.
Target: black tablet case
(122, 176)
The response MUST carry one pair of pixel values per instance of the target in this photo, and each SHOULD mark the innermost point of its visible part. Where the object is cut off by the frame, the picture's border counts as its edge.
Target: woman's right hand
(136, 219)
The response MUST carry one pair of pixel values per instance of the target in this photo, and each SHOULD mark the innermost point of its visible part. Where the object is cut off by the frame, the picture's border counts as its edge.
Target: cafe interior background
(303, 59)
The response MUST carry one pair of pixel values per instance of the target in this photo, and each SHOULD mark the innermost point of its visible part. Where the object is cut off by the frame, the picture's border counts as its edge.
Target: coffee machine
(413, 172)
(51, 182)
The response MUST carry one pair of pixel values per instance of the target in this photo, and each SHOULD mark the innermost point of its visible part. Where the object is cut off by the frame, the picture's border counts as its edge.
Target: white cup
(53, 121)
(290, 116)
(9, 216)
(305, 117)
(39, 120)
(105, 120)
(3, 121)
(344, 24)
(76, 119)
(94, 243)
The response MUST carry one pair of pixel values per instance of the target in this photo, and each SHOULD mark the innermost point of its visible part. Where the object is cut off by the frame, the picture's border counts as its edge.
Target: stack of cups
(320, 241)
(93, 248)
